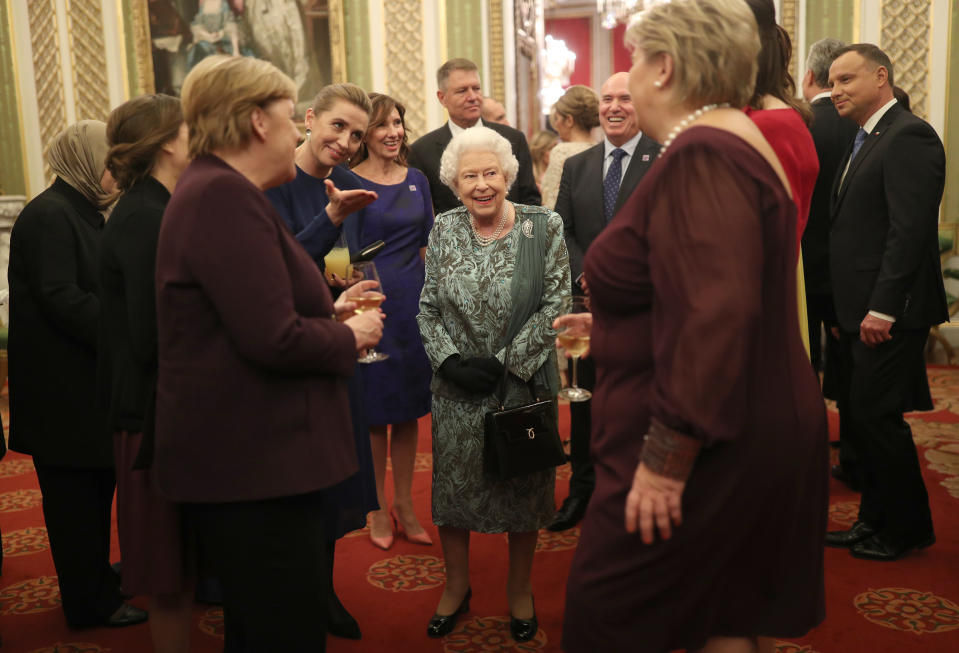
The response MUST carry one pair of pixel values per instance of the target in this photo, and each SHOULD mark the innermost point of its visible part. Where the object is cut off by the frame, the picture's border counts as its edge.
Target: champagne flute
(574, 338)
(338, 259)
(369, 301)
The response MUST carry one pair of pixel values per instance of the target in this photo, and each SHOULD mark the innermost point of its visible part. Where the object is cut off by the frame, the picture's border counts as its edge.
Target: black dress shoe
(859, 532)
(443, 624)
(340, 622)
(880, 548)
(570, 514)
(523, 630)
(849, 480)
(126, 615)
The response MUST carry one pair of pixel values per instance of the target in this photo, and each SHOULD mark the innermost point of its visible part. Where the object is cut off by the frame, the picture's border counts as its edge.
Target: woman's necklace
(688, 119)
(486, 241)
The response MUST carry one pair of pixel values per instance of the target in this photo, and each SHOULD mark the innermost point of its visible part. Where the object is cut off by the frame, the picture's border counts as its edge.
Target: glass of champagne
(337, 261)
(574, 338)
(369, 301)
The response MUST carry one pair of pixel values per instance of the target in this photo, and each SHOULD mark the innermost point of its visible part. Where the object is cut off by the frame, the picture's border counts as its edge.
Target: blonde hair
(333, 93)
(714, 45)
(581, 104)
(220, 94)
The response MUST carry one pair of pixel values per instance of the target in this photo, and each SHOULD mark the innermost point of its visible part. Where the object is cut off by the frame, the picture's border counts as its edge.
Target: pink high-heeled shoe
(386, 541)
(418, 538)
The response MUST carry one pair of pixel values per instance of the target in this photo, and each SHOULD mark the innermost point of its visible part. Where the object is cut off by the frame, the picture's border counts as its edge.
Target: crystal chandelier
(614, 11)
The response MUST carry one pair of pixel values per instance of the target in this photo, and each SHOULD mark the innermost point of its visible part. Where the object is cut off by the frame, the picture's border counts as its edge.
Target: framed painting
(303, 38)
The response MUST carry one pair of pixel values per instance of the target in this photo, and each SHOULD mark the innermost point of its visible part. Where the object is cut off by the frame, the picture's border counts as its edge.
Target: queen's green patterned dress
(465, 309)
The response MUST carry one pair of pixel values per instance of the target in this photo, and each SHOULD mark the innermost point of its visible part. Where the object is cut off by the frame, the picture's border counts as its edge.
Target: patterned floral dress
(465, 309)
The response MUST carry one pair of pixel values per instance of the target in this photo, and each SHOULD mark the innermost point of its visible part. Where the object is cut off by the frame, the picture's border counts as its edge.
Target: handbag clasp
(530, 433)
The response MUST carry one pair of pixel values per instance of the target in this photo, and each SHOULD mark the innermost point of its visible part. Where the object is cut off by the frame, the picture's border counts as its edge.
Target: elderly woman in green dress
(496, 276)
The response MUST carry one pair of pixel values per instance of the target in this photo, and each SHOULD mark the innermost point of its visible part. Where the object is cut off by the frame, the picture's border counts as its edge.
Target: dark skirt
(346, 504)
(151, 537)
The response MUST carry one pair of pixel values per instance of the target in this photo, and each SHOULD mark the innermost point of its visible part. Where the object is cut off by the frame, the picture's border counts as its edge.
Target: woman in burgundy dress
(714, 540)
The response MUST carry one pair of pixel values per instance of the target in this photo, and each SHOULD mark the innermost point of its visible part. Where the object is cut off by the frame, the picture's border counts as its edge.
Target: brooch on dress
(528, 228)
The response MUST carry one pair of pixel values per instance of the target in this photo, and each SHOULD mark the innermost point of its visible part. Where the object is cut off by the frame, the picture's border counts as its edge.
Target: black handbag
(522, 439)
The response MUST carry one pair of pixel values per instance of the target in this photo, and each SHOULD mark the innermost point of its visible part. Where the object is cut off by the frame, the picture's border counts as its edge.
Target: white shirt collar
(876, 117)
(819, 96)
(629, 146)
(456, 129)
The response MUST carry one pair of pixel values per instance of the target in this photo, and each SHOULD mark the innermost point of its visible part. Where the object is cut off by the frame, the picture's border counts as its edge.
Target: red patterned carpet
(911, 606)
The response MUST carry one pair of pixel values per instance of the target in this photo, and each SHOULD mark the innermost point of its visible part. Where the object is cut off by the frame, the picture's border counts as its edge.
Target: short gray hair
(478, 139)
(821, 55)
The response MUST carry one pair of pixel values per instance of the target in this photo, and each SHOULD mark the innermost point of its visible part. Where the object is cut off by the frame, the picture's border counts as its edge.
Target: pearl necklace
(486, 241)
(685, 122)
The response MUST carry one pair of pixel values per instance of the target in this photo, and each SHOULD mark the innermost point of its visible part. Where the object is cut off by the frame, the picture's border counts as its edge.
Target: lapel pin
(412, 188)
(645, 157)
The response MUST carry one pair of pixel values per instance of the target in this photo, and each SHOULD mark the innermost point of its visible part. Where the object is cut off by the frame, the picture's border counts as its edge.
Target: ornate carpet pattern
(910, 606)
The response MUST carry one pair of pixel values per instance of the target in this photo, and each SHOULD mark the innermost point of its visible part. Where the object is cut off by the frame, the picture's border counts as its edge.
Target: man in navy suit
(461, 94)
(888, 292)
(594, 185)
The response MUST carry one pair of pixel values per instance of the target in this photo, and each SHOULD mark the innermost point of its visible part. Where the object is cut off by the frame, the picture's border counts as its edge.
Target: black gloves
(476, 375)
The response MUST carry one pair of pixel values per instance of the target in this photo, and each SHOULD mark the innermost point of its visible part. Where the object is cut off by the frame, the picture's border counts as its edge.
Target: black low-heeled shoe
(441, 625)
(523, 630)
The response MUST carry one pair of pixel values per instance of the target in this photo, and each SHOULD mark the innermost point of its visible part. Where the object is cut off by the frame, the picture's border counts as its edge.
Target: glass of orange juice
(337, 260)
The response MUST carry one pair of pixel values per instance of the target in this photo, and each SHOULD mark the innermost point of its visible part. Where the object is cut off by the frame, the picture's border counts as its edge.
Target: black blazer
(580, 198)
(54, 316)
(128, 329)
(883, 245)
(832, 136)
(426, 152)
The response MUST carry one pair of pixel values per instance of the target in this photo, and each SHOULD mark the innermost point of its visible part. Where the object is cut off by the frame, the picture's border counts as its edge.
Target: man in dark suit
(888, 292)
(833, 136)
(594, 185)
(460, 93)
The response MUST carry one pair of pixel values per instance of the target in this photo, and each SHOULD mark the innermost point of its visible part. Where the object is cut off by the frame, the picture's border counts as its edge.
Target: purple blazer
(252, 391)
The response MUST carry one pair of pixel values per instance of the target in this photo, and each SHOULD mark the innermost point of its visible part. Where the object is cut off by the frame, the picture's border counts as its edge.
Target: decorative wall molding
(405, 75)
(789, 19)
(44, 39)
(497, 72)
(905, 37)
(356, 48)
(338, 42)
(138, 47)
(88, 59)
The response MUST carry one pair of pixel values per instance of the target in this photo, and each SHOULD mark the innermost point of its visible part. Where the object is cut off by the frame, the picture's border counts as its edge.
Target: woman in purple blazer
(252, 419)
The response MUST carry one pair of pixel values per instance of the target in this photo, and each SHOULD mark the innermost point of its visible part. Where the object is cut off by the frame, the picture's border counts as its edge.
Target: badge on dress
(412, 188)
(528, 228)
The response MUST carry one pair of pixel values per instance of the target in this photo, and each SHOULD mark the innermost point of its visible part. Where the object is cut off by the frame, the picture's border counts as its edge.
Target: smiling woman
(248, 350)
(490, 287)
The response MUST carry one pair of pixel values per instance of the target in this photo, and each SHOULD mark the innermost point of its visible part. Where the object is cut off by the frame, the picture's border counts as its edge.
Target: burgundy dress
(694, 303)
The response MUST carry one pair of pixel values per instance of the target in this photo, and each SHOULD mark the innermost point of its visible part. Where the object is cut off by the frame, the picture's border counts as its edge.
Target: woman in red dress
(714, 542)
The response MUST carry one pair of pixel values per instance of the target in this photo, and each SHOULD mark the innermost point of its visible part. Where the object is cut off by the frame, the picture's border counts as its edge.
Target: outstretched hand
(580, 323)
(344, 202)
(654, 502)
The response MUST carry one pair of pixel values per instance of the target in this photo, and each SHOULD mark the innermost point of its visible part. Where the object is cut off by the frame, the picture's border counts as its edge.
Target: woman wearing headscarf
(54, 316)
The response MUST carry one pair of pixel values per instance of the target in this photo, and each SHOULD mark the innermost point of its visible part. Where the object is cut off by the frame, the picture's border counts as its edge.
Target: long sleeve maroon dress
(695, 323)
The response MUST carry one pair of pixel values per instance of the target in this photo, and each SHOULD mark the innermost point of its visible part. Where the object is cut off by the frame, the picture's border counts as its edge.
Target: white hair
(478, 139)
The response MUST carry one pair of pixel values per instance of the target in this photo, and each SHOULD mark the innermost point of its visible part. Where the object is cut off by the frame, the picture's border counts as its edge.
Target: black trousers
(76, 509)
(885, 382)
(583, 477)
(820, 313)
(270, 558)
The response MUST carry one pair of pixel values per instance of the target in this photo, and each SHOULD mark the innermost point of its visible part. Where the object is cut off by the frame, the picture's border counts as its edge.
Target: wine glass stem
(575, 358)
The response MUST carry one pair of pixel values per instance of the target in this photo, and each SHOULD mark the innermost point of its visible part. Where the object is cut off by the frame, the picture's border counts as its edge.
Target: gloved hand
(475, 375)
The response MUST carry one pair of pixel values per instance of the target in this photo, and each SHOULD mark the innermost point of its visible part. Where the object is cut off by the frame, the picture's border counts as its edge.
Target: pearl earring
(308, 132)
(657, 84)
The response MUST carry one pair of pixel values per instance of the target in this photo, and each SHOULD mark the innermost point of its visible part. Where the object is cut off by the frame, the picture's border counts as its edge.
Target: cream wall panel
(379, 59)
(434, 54)
(114, 50)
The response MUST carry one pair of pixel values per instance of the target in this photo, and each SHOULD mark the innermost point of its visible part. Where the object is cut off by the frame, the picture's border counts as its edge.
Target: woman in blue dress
(314, 206)
(397, 390)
